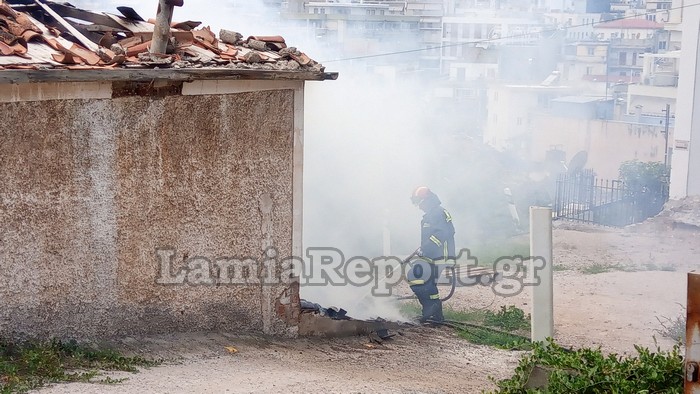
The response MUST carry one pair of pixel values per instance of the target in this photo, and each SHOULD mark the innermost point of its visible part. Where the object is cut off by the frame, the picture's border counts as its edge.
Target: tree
(646, 183)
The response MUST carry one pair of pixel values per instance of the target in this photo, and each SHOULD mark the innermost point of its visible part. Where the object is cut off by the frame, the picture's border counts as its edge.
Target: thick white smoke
(371, 137)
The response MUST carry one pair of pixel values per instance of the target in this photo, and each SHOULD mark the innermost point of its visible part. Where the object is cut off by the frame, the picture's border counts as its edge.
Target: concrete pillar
(685, 163)
(542, 293)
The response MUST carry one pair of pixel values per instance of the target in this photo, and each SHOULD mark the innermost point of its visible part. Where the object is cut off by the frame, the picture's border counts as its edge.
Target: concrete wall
(94, 186)
(608, 144)
(685, 167)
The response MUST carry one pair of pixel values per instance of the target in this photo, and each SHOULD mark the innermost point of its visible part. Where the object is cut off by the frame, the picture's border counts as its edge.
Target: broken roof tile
(54, 35)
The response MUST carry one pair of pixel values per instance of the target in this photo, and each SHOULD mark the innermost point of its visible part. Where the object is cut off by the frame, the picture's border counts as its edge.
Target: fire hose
(450, 268)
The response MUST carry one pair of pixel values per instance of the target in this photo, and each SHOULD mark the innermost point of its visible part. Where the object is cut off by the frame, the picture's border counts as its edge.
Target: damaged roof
(40, 37)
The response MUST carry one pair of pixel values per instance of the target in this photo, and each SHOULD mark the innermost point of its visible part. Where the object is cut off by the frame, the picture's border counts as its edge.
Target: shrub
(590, 371)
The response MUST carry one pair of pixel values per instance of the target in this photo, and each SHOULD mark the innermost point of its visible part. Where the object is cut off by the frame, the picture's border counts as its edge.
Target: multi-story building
(509, 124)
(628, 40)
(362, 27)
(584, 64)
(657, 87)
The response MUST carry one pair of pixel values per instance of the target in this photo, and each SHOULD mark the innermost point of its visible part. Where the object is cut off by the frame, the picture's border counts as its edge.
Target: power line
(487, 40)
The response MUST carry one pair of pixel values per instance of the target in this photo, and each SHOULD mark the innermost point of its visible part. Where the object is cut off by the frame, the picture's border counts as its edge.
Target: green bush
(590, 371)
(509, 318)
(637, 174)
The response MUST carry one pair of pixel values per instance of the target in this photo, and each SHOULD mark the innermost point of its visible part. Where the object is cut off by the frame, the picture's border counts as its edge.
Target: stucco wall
(607, 143)
(90, 189)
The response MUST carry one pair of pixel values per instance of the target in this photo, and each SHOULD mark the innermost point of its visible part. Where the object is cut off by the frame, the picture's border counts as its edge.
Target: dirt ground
(647, 265)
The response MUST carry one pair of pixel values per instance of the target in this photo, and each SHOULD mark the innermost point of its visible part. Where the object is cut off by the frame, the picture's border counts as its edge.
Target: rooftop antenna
(161, 32)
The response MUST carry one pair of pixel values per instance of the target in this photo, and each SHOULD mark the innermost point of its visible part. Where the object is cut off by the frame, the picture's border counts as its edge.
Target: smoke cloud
(371, 137)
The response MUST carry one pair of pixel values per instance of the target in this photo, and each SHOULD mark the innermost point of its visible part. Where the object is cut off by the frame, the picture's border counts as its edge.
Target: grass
(674, 328)
(488, 253)
(26, 366)
(664, 267)
(505, 329)
(599, 268)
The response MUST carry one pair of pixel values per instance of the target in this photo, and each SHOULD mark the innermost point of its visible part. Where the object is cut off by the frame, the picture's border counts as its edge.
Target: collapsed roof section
(45, 35)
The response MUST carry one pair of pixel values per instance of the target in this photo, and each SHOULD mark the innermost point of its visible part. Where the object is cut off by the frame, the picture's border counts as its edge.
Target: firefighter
(437, 247)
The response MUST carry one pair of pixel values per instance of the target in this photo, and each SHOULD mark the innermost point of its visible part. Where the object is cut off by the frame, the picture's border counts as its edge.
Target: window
(519, 121)
(323, 10)
(623, 59)
(589, 70)
(478, 31)
(466, 93)
(634, 58)
(461, 73)
(315, 10)
(495, 96)
(662, 44)
(591, 51)
(446, 30)
(381, 12)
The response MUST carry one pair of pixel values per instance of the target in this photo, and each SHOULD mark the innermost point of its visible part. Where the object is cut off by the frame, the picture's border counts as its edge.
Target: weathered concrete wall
(91, 189)
(608, 144)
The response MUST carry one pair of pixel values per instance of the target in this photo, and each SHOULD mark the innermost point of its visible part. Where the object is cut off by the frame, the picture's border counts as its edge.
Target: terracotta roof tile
(630, 24)
(104, 40)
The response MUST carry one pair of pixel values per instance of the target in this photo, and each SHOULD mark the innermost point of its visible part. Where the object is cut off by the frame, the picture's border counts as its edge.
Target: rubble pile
(684, 212)
(49, 35)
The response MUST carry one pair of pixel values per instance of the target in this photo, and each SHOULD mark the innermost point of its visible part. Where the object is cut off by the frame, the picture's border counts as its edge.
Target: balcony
(662, 79)
(647, 43)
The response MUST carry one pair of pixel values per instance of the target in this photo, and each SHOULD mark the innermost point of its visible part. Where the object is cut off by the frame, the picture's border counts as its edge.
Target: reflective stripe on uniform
(416, 282)
(423, 259)
(448, 217)
(435, 240)
(435, 296)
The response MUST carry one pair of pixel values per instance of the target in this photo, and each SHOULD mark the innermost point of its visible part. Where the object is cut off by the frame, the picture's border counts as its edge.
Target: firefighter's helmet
(420, 194)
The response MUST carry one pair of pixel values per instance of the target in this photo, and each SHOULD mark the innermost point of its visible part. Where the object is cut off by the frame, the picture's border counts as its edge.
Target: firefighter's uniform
(437, 248)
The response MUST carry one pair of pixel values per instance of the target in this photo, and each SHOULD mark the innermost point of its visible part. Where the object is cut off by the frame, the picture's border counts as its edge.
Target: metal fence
(582, 197)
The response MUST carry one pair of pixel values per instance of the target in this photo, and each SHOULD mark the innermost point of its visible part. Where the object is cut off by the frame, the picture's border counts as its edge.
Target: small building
(147, 192)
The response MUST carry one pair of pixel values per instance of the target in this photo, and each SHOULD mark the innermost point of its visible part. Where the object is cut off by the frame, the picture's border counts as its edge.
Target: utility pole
(668, 116)
(161, 32)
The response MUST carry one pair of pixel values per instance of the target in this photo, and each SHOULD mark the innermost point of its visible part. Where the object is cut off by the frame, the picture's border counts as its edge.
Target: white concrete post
(542, 314)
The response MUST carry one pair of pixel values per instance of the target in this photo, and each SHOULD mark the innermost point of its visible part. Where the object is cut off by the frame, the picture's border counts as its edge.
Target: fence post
(542, 315)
